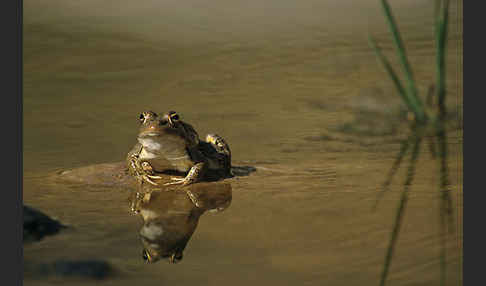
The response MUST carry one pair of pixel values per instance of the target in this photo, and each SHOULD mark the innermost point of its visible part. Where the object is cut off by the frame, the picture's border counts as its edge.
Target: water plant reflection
(428, 121)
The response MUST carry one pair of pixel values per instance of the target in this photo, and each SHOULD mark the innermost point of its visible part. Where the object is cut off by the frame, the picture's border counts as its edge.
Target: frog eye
(173, 115)
(142, 117)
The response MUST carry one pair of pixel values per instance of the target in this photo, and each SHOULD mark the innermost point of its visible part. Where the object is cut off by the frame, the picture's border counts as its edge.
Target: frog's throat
(149, 144)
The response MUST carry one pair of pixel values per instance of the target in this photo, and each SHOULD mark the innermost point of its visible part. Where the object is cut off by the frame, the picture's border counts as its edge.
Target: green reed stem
(415, 102)
(391, 73)
(401, 208)
(442, 19)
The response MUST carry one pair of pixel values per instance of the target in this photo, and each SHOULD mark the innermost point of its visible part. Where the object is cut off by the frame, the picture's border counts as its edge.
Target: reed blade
(417, 106)
(442, 19)
(391, 72)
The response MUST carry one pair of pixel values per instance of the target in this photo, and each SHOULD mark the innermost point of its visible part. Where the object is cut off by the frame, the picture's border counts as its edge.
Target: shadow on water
(170, 218)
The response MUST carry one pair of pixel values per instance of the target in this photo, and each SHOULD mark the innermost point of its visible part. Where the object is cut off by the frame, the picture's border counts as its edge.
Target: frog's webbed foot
(148, 173)
(192, 177)
(178, 181)
(142, 171)
(148, 179)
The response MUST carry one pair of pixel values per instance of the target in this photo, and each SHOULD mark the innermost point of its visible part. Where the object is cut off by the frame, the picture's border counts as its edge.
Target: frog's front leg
(147, 173)
(141, 170)
(132, 160)
(193, 176)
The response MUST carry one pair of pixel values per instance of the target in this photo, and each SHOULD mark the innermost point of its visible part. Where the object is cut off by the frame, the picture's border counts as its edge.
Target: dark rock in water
(94, 269)
(38, 225)
(88, 269)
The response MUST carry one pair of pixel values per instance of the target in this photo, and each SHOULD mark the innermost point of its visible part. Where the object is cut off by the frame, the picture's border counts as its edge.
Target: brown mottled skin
(167, 143)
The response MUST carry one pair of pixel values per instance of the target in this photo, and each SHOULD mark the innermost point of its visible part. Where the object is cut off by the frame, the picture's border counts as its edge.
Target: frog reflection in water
(168, 144)
(169, 219)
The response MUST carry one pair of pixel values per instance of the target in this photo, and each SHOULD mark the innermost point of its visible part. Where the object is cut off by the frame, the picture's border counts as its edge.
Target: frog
(168, 144)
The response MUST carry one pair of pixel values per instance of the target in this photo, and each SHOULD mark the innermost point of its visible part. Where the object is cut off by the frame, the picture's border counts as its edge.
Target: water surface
(295, 90)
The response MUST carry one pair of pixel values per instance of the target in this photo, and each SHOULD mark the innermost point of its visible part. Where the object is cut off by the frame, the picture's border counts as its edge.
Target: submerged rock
(105, 174)
(88, 269)
(116, 175)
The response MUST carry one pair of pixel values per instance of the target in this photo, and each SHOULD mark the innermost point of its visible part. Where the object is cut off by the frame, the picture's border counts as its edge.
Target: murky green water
(294, 89)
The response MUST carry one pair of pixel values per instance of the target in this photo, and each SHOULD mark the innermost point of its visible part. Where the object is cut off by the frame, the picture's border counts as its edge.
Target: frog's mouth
(151, 134)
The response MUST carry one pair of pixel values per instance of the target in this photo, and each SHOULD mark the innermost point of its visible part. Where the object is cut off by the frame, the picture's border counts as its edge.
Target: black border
(12, 250)
(475, 47)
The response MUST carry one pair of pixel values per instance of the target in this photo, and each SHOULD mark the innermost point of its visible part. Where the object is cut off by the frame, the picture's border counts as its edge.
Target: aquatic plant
(428, 123)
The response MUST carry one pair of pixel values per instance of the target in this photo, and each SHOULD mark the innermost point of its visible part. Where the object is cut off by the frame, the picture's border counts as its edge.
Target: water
(296, 92)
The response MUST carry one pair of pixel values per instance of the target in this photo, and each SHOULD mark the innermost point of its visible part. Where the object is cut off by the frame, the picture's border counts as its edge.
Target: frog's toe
(177, 181)
(154, 177)
(147, 179)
